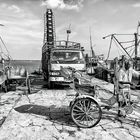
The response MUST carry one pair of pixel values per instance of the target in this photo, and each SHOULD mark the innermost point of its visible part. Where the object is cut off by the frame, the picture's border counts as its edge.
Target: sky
(24, 24)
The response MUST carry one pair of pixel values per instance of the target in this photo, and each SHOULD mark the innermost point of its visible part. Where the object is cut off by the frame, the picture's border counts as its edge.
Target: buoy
(22, 71)
(17, 71)
(12, 72)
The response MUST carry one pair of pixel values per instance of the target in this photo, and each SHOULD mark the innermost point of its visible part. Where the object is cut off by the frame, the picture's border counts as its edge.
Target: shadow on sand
(62, 116)
(53, 113)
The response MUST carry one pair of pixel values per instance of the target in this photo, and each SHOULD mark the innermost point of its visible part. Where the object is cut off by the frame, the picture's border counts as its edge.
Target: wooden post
(28, 85)
(116, 80)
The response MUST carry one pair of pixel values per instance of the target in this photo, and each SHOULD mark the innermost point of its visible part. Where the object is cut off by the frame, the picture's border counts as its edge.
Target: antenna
(68, 32)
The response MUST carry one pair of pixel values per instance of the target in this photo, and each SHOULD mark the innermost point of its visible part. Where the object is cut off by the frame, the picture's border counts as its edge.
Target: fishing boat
(104, 67)
(9, 75)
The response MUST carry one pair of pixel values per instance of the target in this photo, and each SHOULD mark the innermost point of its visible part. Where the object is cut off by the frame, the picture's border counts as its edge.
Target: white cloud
(23, 23)
(136, 5)
(95, 1)
(11, 11)
(53, 3)
(22, 31)
(3, 5)
(60, 4)
(12, 8)
(15, 8)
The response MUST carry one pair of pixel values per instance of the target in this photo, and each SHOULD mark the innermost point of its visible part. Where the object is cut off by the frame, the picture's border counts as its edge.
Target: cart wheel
(86, 112)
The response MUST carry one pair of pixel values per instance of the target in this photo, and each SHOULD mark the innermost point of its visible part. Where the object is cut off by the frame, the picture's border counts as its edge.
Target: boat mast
(91, 46)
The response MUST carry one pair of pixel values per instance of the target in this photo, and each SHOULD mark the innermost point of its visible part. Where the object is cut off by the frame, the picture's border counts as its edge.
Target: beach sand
(45, 115)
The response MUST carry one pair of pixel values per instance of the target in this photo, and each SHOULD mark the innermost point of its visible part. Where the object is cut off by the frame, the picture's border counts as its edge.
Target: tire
(83, 112)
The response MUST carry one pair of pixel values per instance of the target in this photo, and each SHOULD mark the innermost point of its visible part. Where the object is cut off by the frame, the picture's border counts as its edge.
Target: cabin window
(66, 55)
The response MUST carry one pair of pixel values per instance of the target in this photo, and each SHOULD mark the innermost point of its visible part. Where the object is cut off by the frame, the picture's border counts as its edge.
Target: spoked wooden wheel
(86, 112)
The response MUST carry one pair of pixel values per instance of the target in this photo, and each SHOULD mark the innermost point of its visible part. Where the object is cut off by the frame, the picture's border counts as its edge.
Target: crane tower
(49, 28)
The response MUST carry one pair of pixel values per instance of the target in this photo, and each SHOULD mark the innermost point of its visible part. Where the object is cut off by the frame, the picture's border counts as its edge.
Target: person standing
(125, 74)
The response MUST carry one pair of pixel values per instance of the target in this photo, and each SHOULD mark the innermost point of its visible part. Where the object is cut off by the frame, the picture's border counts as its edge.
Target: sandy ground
(44, 115)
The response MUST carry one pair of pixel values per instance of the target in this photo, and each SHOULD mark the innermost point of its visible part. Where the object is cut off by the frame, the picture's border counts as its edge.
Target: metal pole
(68, 32)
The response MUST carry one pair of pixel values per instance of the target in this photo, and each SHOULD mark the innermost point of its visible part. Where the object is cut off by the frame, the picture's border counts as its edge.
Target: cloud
(63, 4)
(12, 8)
(22, 30)
(11, 11)
(17, 25)
(3, 5)
(136, 5)
(15, 8)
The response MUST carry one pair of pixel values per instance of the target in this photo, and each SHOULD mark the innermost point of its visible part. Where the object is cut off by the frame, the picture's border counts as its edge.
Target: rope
(131, 50)
(127, 41)
(123, 34)
(129, 46)
(118, 46)
(133, 53)
(5, 47)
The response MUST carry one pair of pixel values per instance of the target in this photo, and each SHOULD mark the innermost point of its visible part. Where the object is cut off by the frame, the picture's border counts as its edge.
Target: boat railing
(62, 44)
(67, 44)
